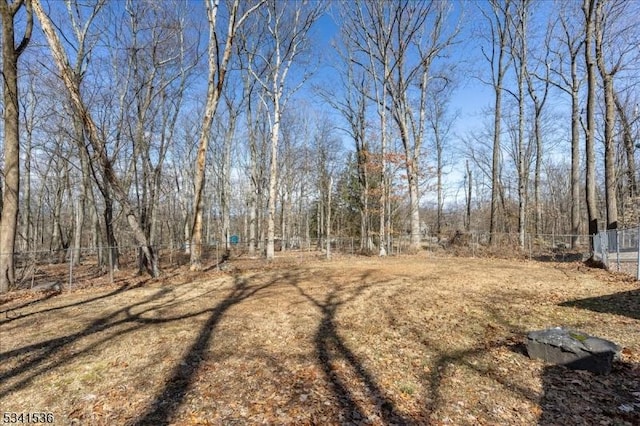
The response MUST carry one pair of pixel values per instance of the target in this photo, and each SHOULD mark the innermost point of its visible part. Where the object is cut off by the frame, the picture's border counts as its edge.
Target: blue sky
(469, 100)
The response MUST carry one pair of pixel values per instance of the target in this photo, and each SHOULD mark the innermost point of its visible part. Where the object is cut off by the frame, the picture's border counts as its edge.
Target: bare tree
(519, 52)
(406, 41)
(468, 193)
(352, 105)
(367, 59)
(256, 149)
(327, 149)
(570, 40)
(614, 47)
(294, 139)
(607, 75)
(82, 52)
(219, 54)
(627, 114)
(498, 18)
(156, 67)
(287, 28)
(11, 174)
(225, 174)
(96, 141)
(411, 121)
(588, 9)
(30, 103)
(441, 122)
(376, 47)
(538, 89)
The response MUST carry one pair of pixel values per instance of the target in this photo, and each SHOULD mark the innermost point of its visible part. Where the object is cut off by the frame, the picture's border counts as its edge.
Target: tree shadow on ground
(581, 397)
(447, 360)
(166, 402)
(353, 395)
(40, 357)
(626, 303)
(330, 349)
(46, 355)
(13, 313)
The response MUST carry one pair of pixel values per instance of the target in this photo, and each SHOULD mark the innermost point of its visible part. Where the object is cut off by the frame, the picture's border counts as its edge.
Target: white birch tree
(285, 38)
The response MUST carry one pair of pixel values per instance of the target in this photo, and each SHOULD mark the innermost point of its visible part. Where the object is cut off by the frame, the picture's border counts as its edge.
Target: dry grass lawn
(403, 340)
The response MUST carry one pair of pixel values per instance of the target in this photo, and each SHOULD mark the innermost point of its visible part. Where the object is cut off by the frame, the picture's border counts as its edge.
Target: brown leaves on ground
(403, 340)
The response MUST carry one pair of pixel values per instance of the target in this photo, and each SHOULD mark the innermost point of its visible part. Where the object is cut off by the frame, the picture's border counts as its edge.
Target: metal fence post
(617, 249)
(70, 270)
(110, 265)
(638, 253)
(604, 249)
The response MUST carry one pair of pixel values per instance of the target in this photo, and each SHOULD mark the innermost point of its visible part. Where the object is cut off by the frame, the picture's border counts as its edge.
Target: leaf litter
(420, 339)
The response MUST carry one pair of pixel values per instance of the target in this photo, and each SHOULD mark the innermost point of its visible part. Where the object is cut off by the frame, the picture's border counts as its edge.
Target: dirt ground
(356, 340)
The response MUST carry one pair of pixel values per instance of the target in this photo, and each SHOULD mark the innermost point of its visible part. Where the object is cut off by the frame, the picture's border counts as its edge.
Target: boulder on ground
(572, 349)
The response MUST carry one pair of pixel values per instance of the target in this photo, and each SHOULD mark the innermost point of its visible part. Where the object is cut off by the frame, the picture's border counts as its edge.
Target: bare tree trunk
(96, 233)
(254, 181)
(111, 250)
(609, 122)
(575, 158)
(27, 228)
(572, 41)
(609, 156)
(500, 23)
(538, 106)
(588, 8)
(469, 193)
(225, 196)
(260, 223)
(10, 204)
(78, 224)
(537, 174)
(440, 126)
(81, 202)
(252, 222)
(414, 202)
(319, 223)
(273, 170)
(627, 137)
(384, 199)
(287, 27)
(200, 166)
(521, 59)
(97, 144)
(215, 83)
(328, 225)
(185, 233)
(58, 243)
(27, 216)
(439, 189)
(495, 164)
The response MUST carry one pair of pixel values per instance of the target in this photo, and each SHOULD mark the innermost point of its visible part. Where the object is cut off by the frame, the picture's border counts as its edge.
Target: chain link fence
(51, 269)
(618, 250)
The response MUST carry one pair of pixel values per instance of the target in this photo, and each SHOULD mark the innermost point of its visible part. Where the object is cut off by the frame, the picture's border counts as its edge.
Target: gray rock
(573, 349)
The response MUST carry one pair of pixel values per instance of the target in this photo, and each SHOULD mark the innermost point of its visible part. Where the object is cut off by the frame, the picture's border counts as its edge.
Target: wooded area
(267, 124)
